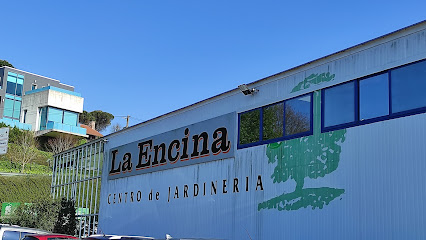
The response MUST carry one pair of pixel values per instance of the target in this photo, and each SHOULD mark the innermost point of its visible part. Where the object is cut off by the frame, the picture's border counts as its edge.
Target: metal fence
(77, 176)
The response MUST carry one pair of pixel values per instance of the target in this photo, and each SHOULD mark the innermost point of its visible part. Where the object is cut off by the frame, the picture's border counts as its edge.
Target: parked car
(118, 237)
(48, 236)
(115, 237)
(13, 232)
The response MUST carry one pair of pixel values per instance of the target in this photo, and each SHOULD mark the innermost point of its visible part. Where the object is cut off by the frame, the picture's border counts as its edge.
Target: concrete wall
(32, 103)
(1, 76)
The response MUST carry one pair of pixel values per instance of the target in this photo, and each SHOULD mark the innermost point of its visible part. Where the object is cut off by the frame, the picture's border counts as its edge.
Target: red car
(50, 236)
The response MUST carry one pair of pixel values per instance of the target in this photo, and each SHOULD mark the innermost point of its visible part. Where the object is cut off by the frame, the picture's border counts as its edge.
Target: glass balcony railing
(65, 128)
(16, 123)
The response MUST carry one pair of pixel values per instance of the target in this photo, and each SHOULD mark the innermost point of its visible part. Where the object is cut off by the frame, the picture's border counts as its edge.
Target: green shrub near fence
(24, 189)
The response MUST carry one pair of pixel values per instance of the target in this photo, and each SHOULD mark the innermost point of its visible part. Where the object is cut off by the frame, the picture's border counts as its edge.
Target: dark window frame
(13, 109)
(25, 116)
(358, 121)
(359, 96)
(260, 127)
(8, 86)
(262, 113)
(311, 118)
(284, 137)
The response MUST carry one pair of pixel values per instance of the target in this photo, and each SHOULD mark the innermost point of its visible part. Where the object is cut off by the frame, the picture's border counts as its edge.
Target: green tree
(23, 149)
(103, 119)
(66, 221)
(307, 157)
(46, 213)
(86, 117)
(5, 63)
(14, 132)
(42, 214)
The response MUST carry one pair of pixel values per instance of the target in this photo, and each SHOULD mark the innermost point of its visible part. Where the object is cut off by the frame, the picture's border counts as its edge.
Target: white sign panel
(4, 138)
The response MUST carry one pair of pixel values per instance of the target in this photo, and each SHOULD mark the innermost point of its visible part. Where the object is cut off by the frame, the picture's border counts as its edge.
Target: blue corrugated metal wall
(376, 191)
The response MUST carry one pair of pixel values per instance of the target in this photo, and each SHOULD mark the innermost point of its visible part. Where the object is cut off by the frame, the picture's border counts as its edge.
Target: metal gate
(77, 176)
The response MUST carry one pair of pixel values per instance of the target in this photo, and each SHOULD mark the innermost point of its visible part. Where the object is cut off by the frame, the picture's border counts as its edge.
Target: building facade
(44, 105)
(332, 149)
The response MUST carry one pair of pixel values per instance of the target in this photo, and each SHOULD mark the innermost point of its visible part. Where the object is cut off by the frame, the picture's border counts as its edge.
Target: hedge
(24, 189)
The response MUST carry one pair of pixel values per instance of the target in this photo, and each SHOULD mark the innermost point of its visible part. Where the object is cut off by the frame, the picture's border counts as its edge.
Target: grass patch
(32, 168)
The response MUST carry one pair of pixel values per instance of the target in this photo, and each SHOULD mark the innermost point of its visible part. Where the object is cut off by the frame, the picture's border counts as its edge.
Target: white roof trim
(33, 74)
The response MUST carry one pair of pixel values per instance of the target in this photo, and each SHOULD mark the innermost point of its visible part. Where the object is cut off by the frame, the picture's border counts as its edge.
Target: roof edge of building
(357, 46)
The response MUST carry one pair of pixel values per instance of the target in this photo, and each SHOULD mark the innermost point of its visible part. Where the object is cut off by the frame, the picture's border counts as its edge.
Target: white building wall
(65, 101)
(33, 102)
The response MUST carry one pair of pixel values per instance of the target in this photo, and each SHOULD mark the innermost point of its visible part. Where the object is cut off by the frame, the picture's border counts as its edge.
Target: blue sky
(147, 58)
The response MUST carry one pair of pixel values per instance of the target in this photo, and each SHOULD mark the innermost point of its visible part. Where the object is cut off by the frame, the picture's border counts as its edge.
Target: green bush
(24, 189)
(8, 166)
(53, 215)
(14, 132)
(42, 214)
(66, 221)
(43, 158)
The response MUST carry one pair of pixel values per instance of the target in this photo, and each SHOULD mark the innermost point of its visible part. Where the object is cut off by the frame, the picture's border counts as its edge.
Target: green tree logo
(307, 157)
(313, 79)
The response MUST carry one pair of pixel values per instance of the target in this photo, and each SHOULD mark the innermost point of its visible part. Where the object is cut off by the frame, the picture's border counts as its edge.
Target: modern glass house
(44, 105)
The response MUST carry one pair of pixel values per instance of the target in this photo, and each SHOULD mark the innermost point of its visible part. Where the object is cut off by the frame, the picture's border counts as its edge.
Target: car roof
(116, 237)
(120, 237)
(51, 235)
(21, 229)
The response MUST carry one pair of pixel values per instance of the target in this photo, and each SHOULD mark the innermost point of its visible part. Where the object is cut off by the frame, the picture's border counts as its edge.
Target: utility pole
(127, 120)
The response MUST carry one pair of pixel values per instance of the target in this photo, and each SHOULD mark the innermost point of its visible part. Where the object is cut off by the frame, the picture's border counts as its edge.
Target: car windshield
(29, 238)
(60, 238)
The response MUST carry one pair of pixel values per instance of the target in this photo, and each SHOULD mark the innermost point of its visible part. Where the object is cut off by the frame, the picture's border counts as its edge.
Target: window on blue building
(70, 118)
(14, 86)
(51, 114)
(273, 117)
(298, 115)
(408, 86)
(394, 93)
(374, 97)
(8, 107)
(279, 121)
(17, 110)
(19, 89)
(250, 127)
(11, 88)
(43, 118)
(339, 104)
(55, 115)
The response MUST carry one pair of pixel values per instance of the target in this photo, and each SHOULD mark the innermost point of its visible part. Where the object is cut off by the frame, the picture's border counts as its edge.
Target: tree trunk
(299, 183)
